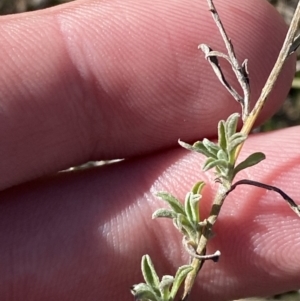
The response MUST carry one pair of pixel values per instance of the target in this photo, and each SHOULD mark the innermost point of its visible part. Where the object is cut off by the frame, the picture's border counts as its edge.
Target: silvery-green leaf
(164, 286)
(222, 170)
(163, 213)
(183, 221)
(187, 207)
(213, 163)
(192, 207)
(253, 159)
(195, 209)
(222, 135)
(207, 163)
(196, 147)
(186, 145)
(231, 124)
(222, 155)
(149, 272)
(236, 136)
(144, 292)
(179, 277)
(211, 147)
(197, 188)
(184, 225)
(172, 201)
(178, 224)
(237, 141)
(200, 148)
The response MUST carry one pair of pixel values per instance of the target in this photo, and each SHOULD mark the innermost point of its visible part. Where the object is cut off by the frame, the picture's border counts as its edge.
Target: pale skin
(95, 80)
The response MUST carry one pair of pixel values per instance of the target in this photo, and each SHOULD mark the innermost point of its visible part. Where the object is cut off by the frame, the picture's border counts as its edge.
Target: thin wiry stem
(292, 204)
(240, 71)
(290, 43)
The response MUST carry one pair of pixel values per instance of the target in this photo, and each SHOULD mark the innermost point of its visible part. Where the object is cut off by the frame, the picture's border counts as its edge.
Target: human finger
(96, 80)
(80, 236)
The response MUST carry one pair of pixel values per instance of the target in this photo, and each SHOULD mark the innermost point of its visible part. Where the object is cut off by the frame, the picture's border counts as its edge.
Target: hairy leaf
(213, 163)
(196, 147)
(164, 286)
(197, 188)
(163, 213)
(236, 142)
(179, 277)
(144, 292)
(211, 147)
(231, 124)
(222, 135)
(149, 272)
(172, 201)
(192, 207)
(253, 159)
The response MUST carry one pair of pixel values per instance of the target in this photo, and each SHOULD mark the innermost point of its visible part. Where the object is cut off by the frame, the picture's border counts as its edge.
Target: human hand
(95, 80)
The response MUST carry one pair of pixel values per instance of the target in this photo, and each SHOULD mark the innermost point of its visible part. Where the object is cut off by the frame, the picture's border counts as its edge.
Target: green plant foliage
(221, 155)
(155, 290)
(185, 218)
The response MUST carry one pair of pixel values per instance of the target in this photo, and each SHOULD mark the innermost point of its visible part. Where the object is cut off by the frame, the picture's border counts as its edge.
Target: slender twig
(287, 48)
(240, 71)
(292, 204)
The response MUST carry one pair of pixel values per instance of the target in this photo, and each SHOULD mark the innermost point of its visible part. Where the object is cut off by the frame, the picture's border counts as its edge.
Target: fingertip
(115, 79)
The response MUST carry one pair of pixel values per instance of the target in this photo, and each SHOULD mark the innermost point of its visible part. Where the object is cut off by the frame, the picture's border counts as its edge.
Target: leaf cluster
(155, 290)
(221, 155)
(186, 218)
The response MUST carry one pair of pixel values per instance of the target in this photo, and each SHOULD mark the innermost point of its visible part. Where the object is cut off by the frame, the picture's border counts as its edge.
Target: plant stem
(282, 57)
(205, 236)
(238, 70)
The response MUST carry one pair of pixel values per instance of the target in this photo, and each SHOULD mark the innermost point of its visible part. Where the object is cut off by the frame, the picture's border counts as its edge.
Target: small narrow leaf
(208, 162)
(192, 208)
(183, 221)
(186, 145)
(211, 147)
(179, 277)
(200, 148)
(172, 201)
(194, 203)
(177, 224)
(149, 272)
(222, 171)
(213, 163)
(184, 226)
(196, 147)
(253, 159)
(222, 155)
(163, 213)
(144, 292)
(164, 287)
(236, 142)
(222, 135)
(231, 124)
(187, 207)
(236, 136)
(197, 188)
